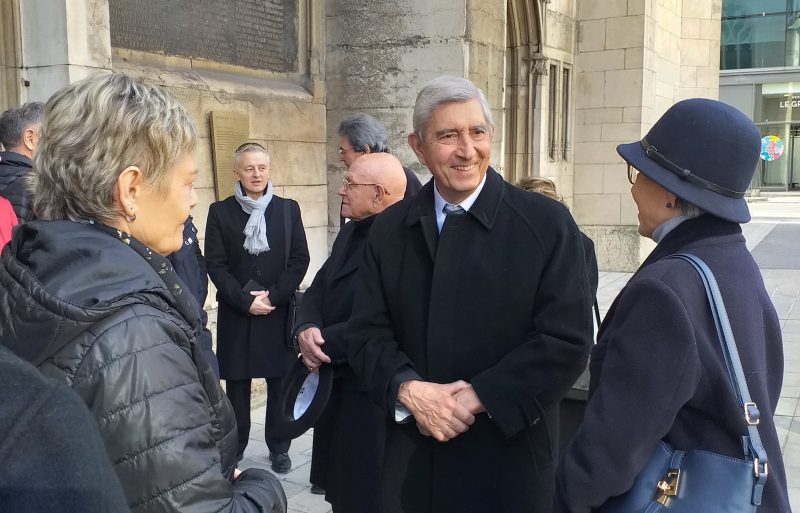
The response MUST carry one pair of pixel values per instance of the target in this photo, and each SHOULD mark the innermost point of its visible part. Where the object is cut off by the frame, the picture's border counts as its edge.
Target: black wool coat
(190, 266)
(349, 435)
(253, 346)
(499, 299)
(658, 371)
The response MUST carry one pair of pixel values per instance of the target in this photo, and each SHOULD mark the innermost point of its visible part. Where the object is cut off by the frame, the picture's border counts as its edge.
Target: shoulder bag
(296, 295)
(699, 481)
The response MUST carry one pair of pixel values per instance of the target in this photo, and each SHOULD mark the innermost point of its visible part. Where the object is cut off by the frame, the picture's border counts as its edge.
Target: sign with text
(260, 34)
(228, 131)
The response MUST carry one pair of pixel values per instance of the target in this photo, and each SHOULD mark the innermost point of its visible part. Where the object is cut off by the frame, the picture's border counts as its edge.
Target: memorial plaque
(228, 131)
(260, 34)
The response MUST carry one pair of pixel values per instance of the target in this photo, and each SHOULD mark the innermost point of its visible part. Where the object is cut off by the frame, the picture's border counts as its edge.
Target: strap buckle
(668, 486)
(757, 471)
(753, 417)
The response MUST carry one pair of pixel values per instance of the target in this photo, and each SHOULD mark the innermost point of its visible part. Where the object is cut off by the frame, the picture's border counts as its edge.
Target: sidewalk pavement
(782, 279)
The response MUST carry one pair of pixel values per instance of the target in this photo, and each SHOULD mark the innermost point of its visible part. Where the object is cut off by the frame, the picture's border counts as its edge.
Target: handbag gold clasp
(668, 486)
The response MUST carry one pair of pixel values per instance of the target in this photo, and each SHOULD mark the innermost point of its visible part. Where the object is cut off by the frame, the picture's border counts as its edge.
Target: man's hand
(467, 397)
(436, 411)
(261, 304)
(309, 340)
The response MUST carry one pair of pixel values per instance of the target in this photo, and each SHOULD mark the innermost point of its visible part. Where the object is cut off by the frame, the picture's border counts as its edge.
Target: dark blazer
(658, 371)
(190, 265)
(253, 346)
(499, 299)
(349, 435)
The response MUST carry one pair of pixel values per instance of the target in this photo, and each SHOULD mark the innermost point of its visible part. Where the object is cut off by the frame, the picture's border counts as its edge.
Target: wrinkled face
(358, 193)
(456, 148)
(252, 171)
(346, 152)
(651, 200)
(159, 218)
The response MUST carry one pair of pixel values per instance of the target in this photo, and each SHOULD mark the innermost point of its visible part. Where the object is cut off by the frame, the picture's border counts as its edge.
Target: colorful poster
(771, 147)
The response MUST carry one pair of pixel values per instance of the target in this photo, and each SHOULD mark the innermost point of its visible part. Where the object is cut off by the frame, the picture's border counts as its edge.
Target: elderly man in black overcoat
(349, 435)
(471, 320)
(256, 269)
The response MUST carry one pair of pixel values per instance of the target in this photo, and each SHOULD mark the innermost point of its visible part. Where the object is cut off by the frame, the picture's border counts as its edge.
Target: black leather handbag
(700, 481)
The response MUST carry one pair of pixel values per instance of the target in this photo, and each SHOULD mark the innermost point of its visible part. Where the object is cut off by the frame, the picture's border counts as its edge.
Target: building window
(763, 34)
(552, 133)
(566, 90)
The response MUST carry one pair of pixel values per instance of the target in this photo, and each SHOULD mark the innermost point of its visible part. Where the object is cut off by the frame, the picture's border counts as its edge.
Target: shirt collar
(439, 202)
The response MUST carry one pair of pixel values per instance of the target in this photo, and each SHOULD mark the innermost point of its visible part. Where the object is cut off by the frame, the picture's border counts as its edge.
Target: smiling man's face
(456, 148)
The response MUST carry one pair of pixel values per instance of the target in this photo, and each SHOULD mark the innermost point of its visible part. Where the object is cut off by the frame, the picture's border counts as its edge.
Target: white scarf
(255, 231)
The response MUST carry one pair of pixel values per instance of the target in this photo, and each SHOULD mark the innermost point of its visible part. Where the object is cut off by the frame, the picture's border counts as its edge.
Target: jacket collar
(691, 231)
(11, 158)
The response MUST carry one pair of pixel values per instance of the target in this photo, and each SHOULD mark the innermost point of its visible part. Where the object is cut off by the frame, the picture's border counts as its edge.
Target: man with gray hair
(257, 255)
(19, 133)
(362, 134)
(471, 320)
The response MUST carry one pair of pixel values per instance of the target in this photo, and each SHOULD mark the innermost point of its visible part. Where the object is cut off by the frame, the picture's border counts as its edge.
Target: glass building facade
(760, 75)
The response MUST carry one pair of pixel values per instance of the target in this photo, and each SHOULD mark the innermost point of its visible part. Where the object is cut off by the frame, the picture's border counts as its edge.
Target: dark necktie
(453, 210)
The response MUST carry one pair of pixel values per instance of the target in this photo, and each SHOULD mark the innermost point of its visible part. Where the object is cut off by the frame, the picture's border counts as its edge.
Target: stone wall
(635, 59)
(379, 55)
(286, 110)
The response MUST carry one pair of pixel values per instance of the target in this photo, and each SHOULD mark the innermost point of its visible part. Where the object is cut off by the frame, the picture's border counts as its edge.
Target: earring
(669, 205)
(131, 218)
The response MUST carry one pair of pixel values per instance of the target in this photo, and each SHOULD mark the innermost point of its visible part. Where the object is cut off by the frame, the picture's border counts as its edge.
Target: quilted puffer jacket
(13, 167)
(88, 310)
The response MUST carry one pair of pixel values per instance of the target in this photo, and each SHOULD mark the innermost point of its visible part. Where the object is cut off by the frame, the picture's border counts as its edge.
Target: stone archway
(10, 56)
(524, 63)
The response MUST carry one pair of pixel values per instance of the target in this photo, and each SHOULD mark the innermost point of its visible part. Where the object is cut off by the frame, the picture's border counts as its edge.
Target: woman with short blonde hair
(87, 296)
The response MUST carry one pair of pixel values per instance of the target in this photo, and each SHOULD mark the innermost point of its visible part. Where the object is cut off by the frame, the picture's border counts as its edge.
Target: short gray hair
(14, 122)
(689, 210)
(445, 89)
(249, 147)
(95, 129)
(363, 131)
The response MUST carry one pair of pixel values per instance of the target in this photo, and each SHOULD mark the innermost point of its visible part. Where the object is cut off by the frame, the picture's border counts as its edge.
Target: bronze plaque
(228, 131)
(260, 34)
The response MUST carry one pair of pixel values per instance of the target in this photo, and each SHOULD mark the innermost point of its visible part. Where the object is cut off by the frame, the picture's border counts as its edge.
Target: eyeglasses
(349, 185)
(632, 174)
(342, 151)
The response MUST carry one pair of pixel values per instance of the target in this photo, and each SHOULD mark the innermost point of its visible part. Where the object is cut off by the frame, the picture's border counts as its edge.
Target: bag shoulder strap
(287, 228)
(752, 441)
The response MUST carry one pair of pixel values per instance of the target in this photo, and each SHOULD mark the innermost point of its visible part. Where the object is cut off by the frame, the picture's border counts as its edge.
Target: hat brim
(731, 209)
(289, 427)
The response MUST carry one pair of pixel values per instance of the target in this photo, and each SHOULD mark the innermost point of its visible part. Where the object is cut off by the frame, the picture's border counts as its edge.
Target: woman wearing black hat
(657, 372)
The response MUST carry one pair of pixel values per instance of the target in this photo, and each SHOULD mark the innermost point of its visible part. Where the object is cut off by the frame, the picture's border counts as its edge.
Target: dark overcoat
(658, 371)
(499, 299)
(253, 346)
(349, 435)
(190, 266)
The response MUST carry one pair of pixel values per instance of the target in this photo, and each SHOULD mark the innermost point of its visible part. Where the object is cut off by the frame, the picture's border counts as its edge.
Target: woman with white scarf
(256, 270)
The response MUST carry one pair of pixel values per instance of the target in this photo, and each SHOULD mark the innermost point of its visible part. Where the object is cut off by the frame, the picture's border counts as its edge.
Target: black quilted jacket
(88, 310)
(13, 167)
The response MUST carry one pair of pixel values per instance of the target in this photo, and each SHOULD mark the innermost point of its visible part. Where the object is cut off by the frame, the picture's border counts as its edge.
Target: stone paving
(783, 283)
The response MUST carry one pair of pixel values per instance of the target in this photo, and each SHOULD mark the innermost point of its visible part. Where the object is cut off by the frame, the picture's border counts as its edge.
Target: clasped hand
(261, 304)
(442, 411)
(310, 343)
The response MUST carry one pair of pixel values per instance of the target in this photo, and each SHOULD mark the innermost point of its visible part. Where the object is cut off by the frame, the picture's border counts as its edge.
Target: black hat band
(685, 174)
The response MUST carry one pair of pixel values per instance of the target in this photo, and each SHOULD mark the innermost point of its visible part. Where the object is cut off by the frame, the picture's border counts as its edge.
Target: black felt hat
(304, 397)
(703, 151)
